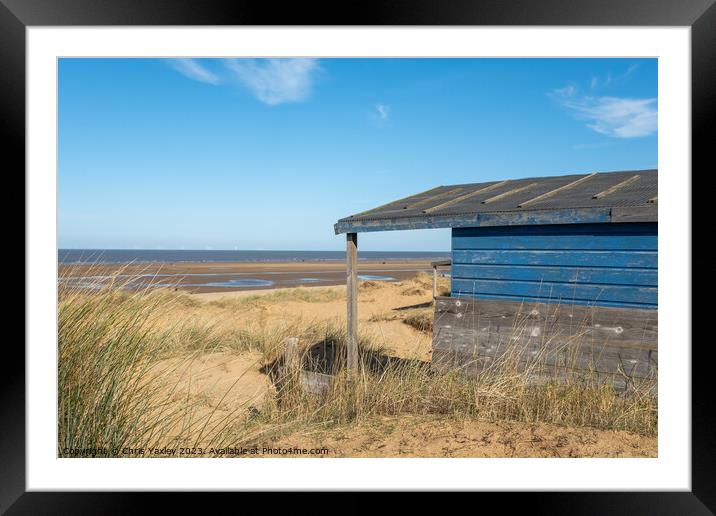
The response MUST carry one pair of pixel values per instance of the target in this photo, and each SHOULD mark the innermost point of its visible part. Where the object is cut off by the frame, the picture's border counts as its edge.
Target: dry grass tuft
(420, 319)
(366, 285)
(413, 291)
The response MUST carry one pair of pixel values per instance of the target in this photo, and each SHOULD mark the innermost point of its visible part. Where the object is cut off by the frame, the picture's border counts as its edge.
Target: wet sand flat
(205, 277)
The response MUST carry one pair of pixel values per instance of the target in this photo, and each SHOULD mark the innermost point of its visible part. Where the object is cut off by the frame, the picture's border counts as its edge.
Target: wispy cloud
(276, 81)
(383, 111)
(194, 70)
(272, 81)
(609, 79)
(612, 116)
(380, 115)
(567, 91)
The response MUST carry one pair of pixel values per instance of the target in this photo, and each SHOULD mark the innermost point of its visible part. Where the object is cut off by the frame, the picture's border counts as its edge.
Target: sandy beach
(206, 277)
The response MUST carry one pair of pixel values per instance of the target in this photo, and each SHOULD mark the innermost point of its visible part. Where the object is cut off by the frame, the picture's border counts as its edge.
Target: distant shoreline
(207, 277)
(148, 256)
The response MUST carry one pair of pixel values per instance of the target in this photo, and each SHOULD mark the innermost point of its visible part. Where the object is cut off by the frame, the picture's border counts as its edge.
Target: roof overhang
(596, 197)
(507, 218)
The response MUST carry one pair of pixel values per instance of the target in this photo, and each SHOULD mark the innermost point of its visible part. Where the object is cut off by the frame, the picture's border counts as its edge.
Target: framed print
(413, 248)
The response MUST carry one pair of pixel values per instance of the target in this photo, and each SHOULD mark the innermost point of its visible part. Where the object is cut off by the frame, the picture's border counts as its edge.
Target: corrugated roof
(596, 197)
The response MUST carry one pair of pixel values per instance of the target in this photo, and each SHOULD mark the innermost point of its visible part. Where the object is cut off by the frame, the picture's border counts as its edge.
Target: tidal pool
(235, 283)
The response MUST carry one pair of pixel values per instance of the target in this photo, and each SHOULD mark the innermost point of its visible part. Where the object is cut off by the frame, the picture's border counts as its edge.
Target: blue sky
(268, 154)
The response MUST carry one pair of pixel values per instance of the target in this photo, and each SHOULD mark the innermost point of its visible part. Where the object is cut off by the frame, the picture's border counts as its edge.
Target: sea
(92, 256)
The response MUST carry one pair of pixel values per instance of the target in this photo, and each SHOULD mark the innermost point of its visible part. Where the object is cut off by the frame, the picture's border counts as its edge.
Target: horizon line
(232, 250)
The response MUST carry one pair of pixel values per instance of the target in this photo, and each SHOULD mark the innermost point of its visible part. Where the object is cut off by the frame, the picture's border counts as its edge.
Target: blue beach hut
(542, 254)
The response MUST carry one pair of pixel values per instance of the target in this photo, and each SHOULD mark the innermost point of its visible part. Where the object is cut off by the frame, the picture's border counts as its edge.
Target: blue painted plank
(527, 299)
(641, 259)
(562, 229)
(590, 264)
(558, 292)
(572, 242)
(604, 275)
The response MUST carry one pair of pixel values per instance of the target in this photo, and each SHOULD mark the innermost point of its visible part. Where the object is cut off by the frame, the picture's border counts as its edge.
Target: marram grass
(114, 392)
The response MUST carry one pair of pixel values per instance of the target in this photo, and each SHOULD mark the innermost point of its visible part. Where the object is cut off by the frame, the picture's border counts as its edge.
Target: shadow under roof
(605, 197)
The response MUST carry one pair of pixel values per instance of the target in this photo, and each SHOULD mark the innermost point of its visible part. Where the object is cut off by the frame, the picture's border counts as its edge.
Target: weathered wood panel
(476, 350)
(501, 314)
(516, 218)
(316, 383)
(532, 299)
(635, 214)
(542, 217)
(473, 334)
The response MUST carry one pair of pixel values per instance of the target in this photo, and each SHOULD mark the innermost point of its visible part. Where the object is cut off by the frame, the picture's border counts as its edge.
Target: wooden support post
(352, 298)
(291, 355)
(435, 281)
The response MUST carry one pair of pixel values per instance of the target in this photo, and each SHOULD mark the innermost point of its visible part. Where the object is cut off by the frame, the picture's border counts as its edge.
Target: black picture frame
(700, 15)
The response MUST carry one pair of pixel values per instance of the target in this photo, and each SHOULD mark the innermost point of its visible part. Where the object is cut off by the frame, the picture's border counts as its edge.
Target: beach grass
(120, 353)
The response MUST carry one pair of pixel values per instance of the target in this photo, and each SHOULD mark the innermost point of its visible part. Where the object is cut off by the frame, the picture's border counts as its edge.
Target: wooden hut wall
(611, 265)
